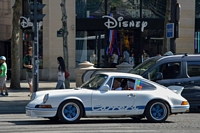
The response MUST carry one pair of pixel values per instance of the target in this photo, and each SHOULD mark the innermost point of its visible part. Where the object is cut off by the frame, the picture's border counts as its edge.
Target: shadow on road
(91, 121)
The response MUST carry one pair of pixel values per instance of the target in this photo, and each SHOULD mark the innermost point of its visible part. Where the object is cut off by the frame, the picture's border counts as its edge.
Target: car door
(192, 84)
(113, 102)
(171, 73)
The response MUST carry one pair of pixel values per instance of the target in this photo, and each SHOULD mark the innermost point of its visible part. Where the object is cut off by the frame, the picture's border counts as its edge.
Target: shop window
(28, 42)
(28, 35)
(193, 68)
(90, 47)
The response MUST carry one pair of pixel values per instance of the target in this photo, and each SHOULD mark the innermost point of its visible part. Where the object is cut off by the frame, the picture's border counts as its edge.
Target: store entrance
(98, 47)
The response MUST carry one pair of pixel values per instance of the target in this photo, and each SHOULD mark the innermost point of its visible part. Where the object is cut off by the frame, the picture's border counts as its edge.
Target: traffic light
(36, 11)
(27, 36)
(175, 16)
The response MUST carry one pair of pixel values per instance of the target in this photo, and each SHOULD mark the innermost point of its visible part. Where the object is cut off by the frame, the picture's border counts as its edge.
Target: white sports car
(138, 98)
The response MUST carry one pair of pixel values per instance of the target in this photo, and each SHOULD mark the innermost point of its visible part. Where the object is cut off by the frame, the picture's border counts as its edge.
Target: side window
(117, 84)
(130, 84)
(143, 85)
(123, 84)
(169, 70)
(193, 68)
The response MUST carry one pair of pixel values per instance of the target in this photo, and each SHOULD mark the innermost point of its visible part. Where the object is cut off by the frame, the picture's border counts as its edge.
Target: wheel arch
(73, 99)
(166, 102)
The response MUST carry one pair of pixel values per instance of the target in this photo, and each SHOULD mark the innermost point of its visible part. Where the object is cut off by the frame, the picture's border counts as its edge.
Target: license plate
(28, 113)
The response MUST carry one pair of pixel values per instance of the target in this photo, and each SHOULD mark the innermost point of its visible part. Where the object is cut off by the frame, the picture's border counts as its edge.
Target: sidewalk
(17, 99)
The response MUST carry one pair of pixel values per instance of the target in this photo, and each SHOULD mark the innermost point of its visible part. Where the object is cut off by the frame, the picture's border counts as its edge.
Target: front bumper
(41, 112)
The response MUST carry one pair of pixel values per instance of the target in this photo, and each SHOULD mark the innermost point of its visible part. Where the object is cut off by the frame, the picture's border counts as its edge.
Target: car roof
(176, 57)
(121, 74)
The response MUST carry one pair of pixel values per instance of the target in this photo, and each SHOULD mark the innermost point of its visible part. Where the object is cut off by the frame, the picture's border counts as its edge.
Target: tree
(15, 45)
(65, 39)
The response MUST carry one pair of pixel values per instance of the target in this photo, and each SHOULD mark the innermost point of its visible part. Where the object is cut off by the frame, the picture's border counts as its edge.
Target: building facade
(138, 25)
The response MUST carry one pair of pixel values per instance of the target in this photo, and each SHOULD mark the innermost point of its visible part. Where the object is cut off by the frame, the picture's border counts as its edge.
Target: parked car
(182, 70)
(138, 98)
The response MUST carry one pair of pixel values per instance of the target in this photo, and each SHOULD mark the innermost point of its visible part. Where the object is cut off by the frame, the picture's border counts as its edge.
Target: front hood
(59, 92)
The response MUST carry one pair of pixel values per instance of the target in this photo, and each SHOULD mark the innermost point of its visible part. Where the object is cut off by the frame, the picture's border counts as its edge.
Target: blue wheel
(157, 111)
(70, 112)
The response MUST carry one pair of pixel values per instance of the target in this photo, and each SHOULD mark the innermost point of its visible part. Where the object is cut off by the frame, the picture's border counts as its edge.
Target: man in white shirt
(117, 85)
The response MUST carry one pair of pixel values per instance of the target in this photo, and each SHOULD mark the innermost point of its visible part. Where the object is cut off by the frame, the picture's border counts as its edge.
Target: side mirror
(105, 88)
(159, 76)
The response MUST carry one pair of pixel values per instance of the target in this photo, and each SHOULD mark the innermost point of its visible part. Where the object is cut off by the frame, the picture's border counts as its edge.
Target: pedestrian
(3, 75)
(61, 74)
(114, 59)
(145, 56)
(29, 69)
(126, 55)
(132, 60)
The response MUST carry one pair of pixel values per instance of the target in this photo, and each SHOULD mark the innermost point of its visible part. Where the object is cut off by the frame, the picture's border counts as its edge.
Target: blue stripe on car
(99, 108)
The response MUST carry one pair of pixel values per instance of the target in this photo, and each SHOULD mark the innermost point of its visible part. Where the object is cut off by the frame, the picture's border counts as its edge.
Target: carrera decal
(114, 108)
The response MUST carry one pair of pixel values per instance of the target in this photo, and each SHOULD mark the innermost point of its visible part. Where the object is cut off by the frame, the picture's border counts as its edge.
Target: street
(20, 123)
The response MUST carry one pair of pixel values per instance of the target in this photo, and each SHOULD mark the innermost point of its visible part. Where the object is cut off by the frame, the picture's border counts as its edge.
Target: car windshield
(140, 69)
(95, 82)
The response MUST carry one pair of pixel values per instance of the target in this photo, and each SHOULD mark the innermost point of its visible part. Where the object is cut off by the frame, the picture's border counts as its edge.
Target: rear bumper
(180, 109)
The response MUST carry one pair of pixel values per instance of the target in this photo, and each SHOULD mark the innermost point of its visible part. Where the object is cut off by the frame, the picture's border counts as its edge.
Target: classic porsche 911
(135, 97)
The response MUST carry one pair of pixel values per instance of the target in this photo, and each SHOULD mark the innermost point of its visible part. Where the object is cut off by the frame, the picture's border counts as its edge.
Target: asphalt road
(20, 123)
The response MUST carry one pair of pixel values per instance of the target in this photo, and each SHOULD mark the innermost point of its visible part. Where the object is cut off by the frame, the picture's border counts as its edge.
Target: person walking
(3, 75)
(114, 59)
(126, 55)
(61, 73)
(29, 69)
(132, 60)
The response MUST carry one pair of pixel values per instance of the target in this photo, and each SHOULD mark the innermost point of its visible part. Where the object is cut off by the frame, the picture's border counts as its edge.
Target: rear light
(184, 103)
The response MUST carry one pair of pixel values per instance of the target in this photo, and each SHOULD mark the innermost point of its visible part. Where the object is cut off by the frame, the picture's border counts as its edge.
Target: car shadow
(84, 121)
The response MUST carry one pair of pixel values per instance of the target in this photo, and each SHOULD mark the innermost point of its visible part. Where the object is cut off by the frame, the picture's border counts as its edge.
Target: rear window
(193, 68)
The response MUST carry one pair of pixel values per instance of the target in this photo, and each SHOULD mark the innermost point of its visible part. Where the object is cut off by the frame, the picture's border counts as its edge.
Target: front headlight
(46, 97)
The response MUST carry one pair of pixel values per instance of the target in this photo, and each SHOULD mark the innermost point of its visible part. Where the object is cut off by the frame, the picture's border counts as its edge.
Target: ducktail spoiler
(176, 89)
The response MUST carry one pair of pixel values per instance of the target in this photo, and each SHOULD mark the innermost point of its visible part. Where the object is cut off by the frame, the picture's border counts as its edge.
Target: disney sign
(113, 23)
(26, 22)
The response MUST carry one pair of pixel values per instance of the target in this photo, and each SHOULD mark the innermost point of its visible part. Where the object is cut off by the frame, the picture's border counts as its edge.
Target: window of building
(193, 68)
(197, 10)
(124, 8)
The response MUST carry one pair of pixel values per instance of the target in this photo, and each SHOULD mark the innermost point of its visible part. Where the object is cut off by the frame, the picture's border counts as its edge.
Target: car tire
(70, 111)
(157, 111)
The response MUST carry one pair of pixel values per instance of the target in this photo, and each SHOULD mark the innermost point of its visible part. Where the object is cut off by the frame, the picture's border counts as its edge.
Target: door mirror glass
(105, 88)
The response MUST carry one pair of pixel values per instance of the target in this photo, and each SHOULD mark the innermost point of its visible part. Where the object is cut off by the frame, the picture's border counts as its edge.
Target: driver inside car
(117, 84)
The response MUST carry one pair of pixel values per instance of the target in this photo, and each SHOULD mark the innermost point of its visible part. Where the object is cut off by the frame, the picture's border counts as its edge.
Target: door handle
(191, 82)
(131, 95)
(177, 83)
